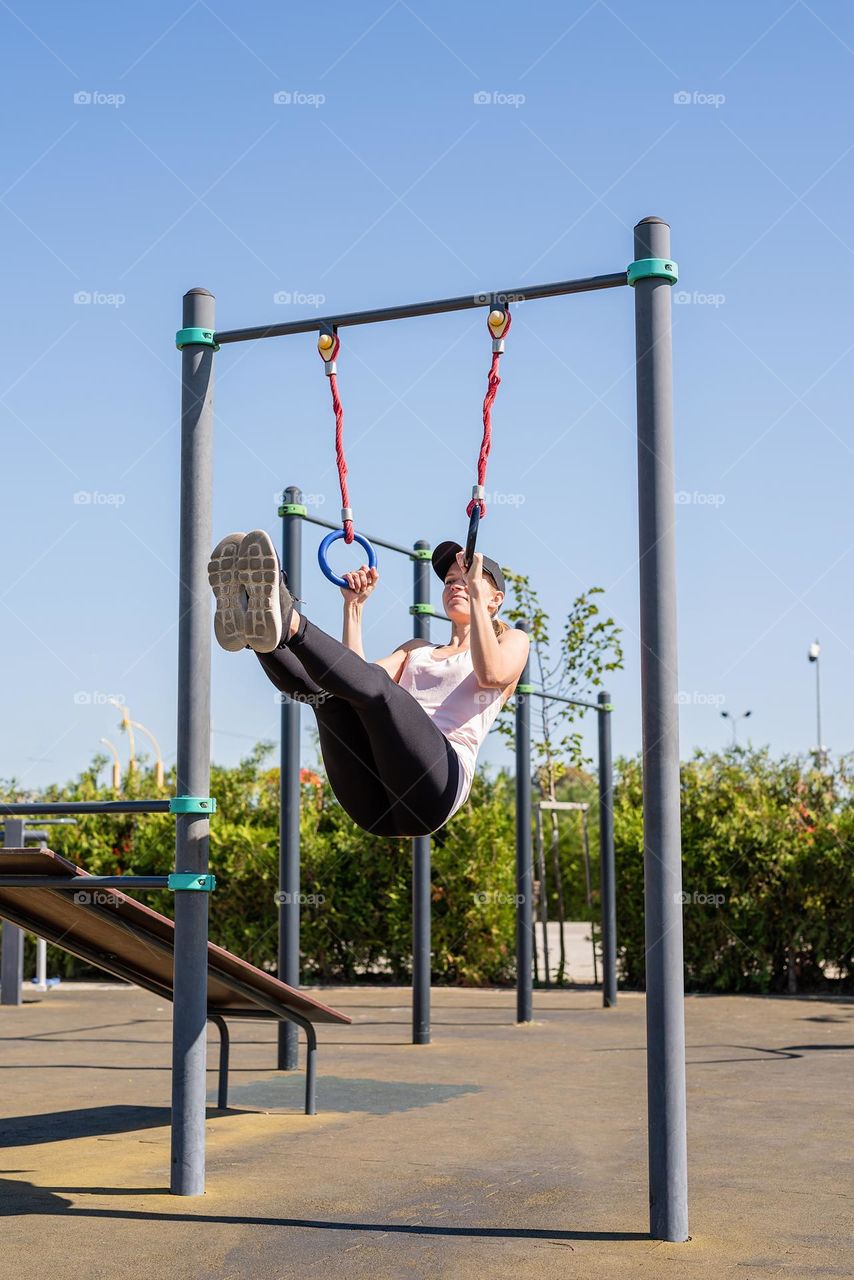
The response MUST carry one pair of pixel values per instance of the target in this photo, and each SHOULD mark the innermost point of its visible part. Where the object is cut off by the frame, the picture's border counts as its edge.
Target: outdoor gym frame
(651, 274)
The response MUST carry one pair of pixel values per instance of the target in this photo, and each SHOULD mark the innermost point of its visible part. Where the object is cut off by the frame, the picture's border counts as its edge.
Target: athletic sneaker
(269, 604)
(229, 619)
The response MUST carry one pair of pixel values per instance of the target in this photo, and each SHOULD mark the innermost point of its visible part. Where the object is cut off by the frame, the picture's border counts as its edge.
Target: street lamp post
(733, 720)
(813, 653)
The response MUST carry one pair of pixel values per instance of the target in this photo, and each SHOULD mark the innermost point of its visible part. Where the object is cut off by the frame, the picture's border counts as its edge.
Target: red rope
(339, 438)
(493, 383)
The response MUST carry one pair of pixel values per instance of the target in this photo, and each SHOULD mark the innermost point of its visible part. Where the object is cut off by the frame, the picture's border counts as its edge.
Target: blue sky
(145, 153)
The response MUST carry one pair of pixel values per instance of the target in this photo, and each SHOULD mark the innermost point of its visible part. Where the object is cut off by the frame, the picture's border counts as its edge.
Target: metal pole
(607, 874)
(289, 804)
(524, 869)
(665, 1013)
(12, 954)
(193, 756)
(819, 757)
(421, 871)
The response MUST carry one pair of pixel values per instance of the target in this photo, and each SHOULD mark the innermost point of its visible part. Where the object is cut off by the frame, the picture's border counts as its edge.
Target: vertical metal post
(289, 804)
(665, 1013)
(421, 871)
(607, 874)
(193, 754)
(12, 955)
(524, 867)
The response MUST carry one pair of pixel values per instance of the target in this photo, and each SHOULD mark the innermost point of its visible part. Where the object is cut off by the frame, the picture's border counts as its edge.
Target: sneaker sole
(258, 574)
(229, 619)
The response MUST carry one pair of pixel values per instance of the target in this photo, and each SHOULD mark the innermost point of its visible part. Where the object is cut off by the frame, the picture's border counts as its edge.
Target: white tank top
(448, 690)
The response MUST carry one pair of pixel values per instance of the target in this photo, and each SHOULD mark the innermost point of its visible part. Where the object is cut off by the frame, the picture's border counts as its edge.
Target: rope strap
(328, 346)
(498, 322)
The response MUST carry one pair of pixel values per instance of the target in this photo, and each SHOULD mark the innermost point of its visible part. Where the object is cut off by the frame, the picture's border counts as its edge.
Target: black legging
(392, 770)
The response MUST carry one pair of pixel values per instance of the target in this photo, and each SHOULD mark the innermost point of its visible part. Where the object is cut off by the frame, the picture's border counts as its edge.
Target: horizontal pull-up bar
(556, 697)
(468, 302)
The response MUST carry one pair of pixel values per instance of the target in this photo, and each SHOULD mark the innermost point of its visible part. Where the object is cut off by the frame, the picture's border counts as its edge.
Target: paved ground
(495, 1152)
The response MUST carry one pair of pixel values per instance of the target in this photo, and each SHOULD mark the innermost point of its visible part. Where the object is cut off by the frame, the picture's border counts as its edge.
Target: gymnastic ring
(327, 543)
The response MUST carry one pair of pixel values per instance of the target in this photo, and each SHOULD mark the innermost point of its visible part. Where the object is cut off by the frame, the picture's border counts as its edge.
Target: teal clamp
(525, 688)
(655, 268)
(179, 881)
(421, 553)
(293, 509)
(195, 338)
(192, 804)
(421, 608)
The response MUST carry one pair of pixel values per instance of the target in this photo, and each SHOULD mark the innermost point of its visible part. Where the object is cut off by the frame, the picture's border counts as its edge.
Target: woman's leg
(418, 766)
(344, 745)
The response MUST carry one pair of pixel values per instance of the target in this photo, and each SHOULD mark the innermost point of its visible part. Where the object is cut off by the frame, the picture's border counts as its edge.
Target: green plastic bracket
(293, 509)
(525, 688)
(421, 553)
(421, 608)
(183, 880)
(657, 268)
(195, 338)
(192, 804)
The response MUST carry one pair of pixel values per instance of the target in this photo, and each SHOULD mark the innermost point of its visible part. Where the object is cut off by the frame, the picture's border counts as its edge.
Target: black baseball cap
(446, 553)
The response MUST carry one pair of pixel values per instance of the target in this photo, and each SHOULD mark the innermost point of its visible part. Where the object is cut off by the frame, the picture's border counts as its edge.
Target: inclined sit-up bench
(45, 894)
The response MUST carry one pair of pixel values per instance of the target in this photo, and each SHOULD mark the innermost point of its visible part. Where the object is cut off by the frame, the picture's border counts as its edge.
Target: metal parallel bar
(86, 806)
(287, 1052)
(224, 1041)
(575, 806)
(421, 848)
(607, 873)
(379, 542)
(12, 948)
(83, 882)
(468, 302)
(575, 702)
(665, 1012)
(524, 866)
(192, 830)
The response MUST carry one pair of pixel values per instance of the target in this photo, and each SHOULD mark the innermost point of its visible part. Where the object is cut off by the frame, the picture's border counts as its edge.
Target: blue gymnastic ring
(327, 543)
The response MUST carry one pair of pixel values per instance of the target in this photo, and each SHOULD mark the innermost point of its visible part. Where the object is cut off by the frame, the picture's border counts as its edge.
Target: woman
(399, 737)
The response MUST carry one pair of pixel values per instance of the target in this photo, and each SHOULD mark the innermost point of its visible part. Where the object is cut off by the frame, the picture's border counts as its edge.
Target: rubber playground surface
(497, 1151)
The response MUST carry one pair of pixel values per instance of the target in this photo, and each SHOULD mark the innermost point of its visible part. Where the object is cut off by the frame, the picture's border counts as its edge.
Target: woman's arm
(352, 634)
(361, 583)
(498, 662)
